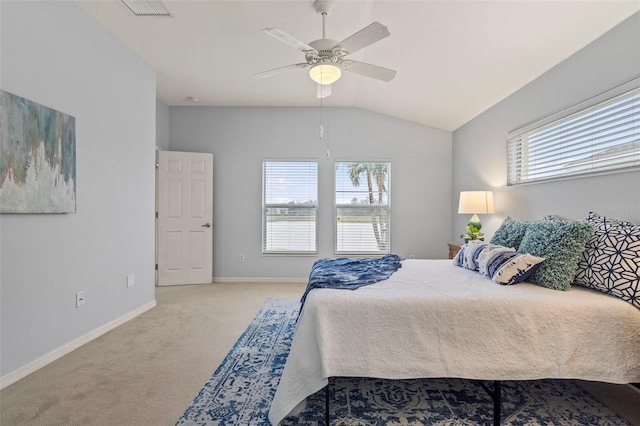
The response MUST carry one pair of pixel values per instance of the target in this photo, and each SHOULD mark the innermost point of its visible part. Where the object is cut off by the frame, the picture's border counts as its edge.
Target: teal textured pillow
(510, 233)
(561, 244)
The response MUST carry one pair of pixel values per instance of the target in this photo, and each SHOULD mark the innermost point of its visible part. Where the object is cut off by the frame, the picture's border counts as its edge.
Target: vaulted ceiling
(454, 59)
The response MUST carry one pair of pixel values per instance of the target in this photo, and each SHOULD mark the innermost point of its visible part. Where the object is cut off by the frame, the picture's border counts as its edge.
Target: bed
(433, 319)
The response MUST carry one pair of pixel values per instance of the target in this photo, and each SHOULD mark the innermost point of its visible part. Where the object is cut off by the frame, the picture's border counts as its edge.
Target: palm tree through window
(362, 207)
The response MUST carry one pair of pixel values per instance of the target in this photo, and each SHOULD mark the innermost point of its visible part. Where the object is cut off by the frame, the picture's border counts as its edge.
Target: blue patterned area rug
(241, 390)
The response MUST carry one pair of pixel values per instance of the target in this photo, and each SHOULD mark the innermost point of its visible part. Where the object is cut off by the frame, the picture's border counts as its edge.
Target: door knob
(207, 225)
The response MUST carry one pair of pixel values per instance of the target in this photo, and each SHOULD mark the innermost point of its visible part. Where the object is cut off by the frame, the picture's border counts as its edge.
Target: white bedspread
(433, 319)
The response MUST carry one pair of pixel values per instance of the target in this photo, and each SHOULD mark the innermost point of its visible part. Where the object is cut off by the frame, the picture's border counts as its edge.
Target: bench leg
(326, 405)
(496, 402)
(495, 395)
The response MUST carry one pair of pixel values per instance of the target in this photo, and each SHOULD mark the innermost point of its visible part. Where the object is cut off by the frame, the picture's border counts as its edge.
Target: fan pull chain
(327, 140)
(321, 127)
(321, 121)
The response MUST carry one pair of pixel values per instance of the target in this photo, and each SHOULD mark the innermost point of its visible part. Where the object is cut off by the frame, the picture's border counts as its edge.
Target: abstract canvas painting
(37, 158)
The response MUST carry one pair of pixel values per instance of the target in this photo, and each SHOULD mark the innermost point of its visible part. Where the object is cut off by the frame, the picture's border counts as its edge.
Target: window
(290, 207)
(362, 195)
(601, 137)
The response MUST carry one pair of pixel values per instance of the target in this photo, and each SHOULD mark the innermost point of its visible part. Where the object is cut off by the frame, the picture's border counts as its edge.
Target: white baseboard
(38, 363)
(259, 280)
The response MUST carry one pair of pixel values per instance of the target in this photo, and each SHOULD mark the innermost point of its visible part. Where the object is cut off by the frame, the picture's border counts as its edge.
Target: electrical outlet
(412, 256)
(79, 299)
(131, 280)
(241, 258)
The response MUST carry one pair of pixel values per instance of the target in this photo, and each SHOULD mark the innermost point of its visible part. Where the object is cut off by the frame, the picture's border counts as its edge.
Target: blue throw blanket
(350, 274)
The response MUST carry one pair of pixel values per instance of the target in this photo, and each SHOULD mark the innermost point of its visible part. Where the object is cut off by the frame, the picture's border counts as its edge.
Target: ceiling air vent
(147, 7)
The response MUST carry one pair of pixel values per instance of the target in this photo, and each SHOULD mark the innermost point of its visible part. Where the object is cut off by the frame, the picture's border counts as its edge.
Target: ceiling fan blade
(363, 38)
(279, 70)
(368, 70)
(290, 40)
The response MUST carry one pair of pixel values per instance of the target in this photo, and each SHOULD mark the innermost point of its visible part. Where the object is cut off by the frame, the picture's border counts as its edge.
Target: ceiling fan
(328, 58)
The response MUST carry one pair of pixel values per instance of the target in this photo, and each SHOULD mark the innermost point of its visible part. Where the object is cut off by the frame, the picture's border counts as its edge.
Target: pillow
(501, 264)
(472, 251)
(601, 226)
(511, 267)
(510, 233)
(458, 259)
(554, 218)
(486, 256)
(603, 223)
(613, 264)
(560, 244)
(466, 254)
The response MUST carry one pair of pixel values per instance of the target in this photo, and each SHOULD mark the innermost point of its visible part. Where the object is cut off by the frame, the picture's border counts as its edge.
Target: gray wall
(240, 138)
(479, 147)
(54, 54)
(162, 126)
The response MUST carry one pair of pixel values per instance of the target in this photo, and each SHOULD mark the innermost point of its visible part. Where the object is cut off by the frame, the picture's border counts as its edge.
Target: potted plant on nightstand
(473, 233)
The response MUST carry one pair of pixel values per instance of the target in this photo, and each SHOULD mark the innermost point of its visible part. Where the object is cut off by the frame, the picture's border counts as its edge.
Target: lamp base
(473, 230)
(475, 222)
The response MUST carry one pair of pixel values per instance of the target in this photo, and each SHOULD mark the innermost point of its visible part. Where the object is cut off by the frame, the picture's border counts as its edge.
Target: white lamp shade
(325, 73)
(476, 202)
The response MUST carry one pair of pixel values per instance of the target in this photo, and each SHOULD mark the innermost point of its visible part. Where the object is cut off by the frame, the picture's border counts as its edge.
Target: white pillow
(512, 267)
(488, 253)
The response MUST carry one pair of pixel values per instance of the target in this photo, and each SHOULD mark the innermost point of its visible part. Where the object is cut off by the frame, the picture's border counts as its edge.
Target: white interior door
(184, 218)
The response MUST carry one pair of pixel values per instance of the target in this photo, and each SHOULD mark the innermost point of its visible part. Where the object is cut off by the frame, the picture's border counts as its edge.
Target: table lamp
(474, 203)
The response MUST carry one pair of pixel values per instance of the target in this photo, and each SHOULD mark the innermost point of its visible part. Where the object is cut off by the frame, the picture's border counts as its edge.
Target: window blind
(290, 207)
(362, 207)
(601, 138)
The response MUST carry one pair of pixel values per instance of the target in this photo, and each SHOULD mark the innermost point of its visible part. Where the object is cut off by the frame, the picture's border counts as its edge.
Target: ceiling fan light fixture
(325, 73)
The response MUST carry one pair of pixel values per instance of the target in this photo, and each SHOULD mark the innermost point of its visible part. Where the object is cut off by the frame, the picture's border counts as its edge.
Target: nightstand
(453, 250)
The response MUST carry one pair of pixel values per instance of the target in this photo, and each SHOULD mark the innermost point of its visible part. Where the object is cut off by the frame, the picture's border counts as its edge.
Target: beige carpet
(146, 372)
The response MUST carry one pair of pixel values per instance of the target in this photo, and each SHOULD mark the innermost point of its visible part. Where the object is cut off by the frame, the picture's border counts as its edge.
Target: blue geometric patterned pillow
(601, 226)
(603, 223)
(613, 264)
(561, 244)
